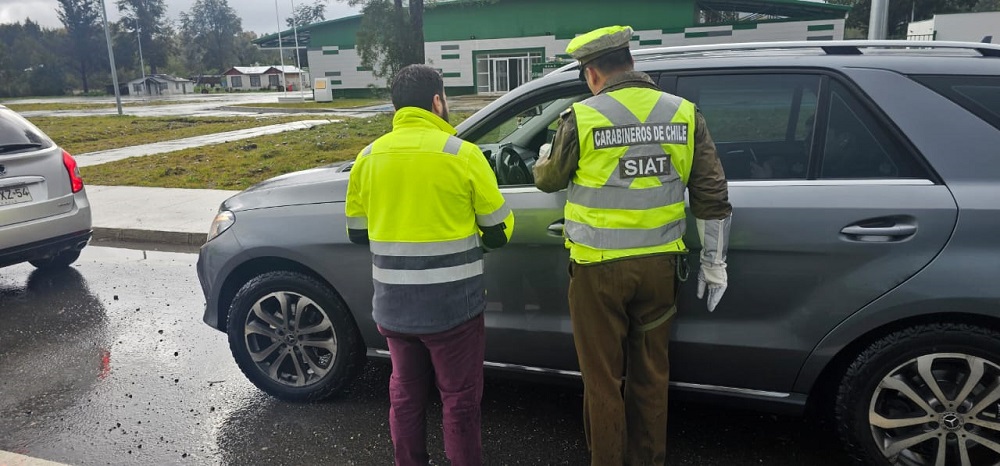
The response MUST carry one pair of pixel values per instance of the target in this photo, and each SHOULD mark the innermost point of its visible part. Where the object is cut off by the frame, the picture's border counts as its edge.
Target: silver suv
(44, 212)
(865, 182)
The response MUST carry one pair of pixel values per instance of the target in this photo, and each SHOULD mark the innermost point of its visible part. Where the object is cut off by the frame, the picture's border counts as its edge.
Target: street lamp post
(879, 19)
(142, 66)
(298, 62)
(281, 50)
(111, 58)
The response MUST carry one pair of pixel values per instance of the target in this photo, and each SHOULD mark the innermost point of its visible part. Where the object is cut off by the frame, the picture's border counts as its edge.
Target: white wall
(970, 27)
(344, 64)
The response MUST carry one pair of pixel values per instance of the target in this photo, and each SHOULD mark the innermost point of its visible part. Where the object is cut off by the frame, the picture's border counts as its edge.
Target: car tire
(917, 390)
(59, 261)
(310, 355)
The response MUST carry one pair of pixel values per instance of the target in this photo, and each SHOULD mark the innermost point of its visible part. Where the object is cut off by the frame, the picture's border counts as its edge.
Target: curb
(297, 110)
(130, 235)
(13, 459)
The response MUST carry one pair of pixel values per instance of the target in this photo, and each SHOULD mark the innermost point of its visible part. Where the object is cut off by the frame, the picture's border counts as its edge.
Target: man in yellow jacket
(627, 155)
(428, 205)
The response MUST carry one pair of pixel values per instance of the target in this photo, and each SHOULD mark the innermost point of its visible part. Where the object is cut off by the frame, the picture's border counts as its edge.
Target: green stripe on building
(331, 52)
(331, 73)
(450, 56)
(689, 35)
(651, 42)
(452, 75)
(821, 27)
(334, 82)
(672, 30)
(364, 68)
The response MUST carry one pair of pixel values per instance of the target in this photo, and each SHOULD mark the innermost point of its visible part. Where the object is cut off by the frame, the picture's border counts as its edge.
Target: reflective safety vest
(627, 196)
(423, 194)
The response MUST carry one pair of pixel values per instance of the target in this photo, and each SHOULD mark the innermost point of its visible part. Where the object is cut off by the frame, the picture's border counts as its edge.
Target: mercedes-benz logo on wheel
(951, 421)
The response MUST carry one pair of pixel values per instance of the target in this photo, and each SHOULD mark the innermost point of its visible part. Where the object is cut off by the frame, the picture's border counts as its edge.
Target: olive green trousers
(622, 312)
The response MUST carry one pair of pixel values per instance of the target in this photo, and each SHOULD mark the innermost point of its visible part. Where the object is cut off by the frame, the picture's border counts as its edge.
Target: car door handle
(556, 228)
(880, 233)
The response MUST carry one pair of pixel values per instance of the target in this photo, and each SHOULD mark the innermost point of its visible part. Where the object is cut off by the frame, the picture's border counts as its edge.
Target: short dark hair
(619, 60)
(416, 86)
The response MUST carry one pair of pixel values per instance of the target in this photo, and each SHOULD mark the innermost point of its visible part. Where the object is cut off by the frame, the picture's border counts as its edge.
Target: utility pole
(298, 61)
(878, 22)
(111, 58)
(142, 66)
(281, 50)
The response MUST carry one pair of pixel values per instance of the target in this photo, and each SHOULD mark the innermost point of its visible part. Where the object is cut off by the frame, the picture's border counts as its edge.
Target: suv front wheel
(928, 395)
(293, 338)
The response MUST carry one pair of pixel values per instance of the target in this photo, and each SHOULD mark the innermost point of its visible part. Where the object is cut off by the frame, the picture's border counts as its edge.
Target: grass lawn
(80, 135)
(337, 103)
(55, 106)
(238, 165)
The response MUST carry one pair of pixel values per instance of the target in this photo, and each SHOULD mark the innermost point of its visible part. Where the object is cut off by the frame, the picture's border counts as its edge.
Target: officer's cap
(599, 42)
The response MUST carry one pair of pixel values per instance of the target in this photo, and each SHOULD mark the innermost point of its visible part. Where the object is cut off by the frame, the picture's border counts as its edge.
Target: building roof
(161, 78)
(805, 9)
(264, 69)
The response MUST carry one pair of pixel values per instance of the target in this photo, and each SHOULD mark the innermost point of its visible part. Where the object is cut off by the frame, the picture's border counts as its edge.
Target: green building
(494, 47)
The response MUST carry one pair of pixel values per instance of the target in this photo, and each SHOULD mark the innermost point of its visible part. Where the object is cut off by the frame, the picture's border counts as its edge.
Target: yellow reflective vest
(627, 196)
(423, 196)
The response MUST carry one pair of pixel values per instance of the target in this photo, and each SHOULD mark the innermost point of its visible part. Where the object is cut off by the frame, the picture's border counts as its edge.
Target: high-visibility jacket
(424, 195)
(627, 195)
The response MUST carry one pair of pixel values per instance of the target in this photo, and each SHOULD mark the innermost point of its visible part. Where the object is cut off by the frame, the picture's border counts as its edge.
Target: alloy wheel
(939, 410)
(291, 339)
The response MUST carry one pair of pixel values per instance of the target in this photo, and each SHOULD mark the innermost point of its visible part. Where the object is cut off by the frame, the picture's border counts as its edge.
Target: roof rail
(830, 47)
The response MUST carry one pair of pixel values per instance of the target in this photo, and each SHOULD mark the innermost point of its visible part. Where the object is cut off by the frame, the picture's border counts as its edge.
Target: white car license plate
(15, 195)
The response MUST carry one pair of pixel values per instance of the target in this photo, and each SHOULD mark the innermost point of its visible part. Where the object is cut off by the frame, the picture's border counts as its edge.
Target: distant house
(160, 84)
(210, 80)
(246, 78)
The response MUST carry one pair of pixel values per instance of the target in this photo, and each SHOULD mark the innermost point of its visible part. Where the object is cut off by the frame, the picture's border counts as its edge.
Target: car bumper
(45, 248)
(214, 265)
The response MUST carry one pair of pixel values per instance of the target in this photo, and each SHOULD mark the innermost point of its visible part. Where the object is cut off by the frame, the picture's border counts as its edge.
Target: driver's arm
(554, 171)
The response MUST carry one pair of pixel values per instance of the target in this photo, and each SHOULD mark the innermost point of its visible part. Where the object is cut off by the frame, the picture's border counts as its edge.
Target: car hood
(315, 186)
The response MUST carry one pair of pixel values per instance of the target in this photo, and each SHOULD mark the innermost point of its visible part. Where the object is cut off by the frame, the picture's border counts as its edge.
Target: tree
(81, 19)
(901, 12)
(147, 18)
(306, 14)
(212, 29)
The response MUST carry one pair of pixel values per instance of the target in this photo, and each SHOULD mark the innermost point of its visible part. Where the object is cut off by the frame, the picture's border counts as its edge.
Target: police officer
(428, 204)
(626, 156)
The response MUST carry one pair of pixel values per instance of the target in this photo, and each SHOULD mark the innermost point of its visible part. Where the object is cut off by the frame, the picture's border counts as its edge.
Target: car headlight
(223, 220)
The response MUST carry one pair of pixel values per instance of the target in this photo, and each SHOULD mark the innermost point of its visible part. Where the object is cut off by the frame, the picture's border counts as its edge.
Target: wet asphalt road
(109, 363)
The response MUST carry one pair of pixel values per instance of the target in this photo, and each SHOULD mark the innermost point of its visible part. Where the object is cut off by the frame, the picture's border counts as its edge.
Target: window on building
(500, 73)
(237, 81)
(272, 80)
(858, 146)
(762, 124)
(255, 81)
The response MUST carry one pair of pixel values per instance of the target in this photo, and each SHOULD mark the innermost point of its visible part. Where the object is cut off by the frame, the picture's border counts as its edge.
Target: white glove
(714, 278)
(714, 235)
(544, 151)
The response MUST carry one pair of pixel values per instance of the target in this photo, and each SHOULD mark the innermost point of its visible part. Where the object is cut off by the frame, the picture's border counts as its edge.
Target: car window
(857, 146)
(762, 124)
(17, 135)
(977, 94)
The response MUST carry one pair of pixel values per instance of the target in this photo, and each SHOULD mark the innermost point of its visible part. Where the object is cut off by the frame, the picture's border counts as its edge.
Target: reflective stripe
(618, 114)
(428, 276)
(357, 223)
(618, 238)
(623, 198)
(453, 146)
(496, 218)
(427, 262)
(367, 150)
(432, 248)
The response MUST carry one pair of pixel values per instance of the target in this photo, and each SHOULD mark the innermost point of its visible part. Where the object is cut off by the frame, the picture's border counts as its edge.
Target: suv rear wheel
(928, 395)
(293, 338)
(59, 261)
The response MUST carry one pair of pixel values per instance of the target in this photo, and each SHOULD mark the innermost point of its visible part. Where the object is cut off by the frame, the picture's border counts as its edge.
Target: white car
(44, 211)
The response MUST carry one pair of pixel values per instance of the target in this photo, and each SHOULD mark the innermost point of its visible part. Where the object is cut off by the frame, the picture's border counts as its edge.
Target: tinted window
(17, 135)
(762, 124)
(977, 94)
(857, 146)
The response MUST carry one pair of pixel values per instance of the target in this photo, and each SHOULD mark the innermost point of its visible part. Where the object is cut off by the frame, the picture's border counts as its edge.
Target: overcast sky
(257, 15)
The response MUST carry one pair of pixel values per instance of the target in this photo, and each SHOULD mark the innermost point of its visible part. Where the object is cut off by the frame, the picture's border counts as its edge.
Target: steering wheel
(511, 168)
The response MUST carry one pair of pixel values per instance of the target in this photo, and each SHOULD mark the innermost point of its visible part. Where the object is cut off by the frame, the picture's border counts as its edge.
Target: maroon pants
(453, 359)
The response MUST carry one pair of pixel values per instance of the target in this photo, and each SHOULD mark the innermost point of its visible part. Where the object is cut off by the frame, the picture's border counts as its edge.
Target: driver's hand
(544, 151)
